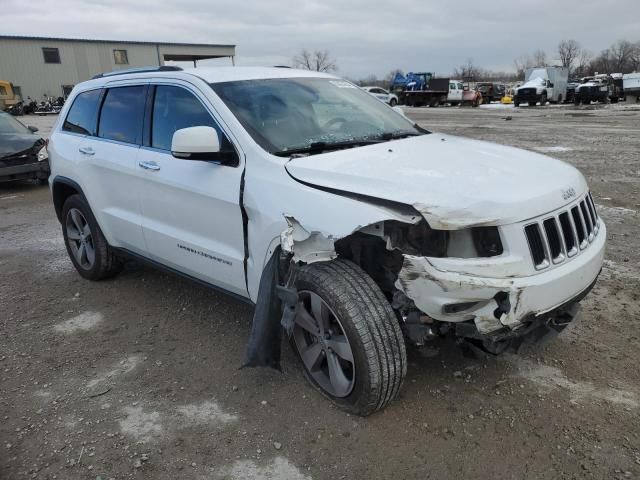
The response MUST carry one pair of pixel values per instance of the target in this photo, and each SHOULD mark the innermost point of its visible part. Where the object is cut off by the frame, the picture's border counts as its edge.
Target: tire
(516, 104)
(532, 104)
(77, 217)
(393, 102)
(354, 308)
(543, 100)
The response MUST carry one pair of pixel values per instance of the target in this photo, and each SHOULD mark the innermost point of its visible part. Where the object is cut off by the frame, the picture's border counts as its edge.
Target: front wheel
(393, 102)
(348, 337)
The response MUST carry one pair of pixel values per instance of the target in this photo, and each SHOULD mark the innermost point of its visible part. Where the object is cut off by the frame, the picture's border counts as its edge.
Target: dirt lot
(139, 377)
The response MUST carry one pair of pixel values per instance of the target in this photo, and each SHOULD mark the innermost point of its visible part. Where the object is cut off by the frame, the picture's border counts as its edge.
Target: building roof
(94, 40)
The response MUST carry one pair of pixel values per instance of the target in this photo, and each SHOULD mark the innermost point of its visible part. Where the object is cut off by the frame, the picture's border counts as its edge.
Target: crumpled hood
(454, 182)
(12, 143)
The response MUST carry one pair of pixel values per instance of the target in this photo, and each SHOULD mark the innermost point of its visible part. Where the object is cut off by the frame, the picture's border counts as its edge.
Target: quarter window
(51, 55)
(175, 108)
(82, 114)
(122, 113)
(120, 57)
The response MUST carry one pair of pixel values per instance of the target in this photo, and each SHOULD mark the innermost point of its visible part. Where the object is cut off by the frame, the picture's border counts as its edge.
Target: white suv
(356, 230)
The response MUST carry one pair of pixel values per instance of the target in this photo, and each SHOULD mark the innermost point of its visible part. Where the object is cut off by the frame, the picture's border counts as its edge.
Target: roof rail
(161, 68)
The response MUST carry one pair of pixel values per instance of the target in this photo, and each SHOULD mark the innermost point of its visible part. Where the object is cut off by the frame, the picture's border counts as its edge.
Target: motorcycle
(17, 109)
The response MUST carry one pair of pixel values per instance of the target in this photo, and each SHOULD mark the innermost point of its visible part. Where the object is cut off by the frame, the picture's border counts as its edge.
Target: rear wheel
(348, 337)
(88, 250)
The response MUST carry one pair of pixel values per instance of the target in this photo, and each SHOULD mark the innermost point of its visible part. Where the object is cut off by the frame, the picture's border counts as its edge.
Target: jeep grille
(556, 238)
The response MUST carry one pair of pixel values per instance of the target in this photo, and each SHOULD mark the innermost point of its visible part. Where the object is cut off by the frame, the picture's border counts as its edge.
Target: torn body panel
(495, 303)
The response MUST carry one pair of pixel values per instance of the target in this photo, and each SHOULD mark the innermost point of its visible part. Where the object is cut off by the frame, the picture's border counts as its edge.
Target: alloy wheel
(323, 345)
(80, 239)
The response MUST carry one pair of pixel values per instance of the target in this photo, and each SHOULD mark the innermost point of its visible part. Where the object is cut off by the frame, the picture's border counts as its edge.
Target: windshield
(289, 115)
(10, 125)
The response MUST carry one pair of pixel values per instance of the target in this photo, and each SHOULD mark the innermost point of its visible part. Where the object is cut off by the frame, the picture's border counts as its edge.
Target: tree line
(621, 57)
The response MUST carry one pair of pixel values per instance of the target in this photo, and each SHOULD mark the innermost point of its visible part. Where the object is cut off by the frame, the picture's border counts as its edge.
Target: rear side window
(122, 114)
(82, 114)
(175, 108)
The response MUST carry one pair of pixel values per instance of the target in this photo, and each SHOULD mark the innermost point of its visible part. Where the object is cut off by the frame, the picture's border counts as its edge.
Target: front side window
(83, 113)
(175, 108)
(122, 114)
(120, 57)
(51, 55)
(285, 115)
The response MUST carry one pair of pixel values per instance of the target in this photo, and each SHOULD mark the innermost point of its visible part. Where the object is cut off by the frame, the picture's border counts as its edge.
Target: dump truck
(543, 84)
(419, 89)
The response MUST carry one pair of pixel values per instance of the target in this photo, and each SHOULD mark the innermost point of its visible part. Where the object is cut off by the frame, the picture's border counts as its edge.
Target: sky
(364, 37)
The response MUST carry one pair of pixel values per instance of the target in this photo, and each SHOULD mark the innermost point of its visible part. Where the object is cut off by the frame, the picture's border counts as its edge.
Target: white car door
(191, 216)
(108, 165)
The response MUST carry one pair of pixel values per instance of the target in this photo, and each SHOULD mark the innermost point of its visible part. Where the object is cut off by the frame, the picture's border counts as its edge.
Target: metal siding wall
(22, 62)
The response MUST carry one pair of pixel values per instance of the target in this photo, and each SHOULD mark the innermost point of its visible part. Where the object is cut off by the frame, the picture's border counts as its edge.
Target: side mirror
(195, 143)
(550, 85)
(32, 129)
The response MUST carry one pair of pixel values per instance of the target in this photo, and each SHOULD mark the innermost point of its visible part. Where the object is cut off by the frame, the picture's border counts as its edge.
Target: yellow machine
(8, 96)
(508, 96)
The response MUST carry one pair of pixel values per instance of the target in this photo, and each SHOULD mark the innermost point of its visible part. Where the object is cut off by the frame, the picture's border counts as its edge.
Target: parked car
(572, 84)
(593, 89)
(351, 228)
(23, 154)
(456, 90)
(382, 94)
(543, 84)
(491, 91)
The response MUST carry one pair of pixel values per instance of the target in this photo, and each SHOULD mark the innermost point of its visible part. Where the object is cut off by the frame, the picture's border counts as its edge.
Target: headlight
(43, 154)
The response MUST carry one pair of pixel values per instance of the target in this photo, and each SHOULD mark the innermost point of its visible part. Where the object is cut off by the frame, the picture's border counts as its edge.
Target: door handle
(86, 151)
(149, 165)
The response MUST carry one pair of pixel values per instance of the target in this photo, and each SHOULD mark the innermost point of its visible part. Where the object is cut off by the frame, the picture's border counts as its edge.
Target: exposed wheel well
(62, 189)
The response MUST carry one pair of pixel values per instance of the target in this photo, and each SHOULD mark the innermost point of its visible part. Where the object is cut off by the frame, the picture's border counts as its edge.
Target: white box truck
(543, 84)
(631, 86)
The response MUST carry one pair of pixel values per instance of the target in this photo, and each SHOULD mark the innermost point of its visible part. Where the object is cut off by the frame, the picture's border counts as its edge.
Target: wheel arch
(61, 189)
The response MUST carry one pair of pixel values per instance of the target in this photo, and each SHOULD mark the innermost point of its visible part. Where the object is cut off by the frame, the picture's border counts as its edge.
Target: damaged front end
(476, 283)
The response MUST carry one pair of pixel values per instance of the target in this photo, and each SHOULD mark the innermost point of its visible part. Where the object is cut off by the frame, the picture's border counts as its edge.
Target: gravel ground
(139, 377)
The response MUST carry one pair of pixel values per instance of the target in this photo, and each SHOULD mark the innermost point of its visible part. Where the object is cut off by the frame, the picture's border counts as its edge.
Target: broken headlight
(487, 241)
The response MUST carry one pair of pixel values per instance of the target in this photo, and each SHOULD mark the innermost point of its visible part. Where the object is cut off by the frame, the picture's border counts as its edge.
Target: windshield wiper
(399, 134)
(317, 147)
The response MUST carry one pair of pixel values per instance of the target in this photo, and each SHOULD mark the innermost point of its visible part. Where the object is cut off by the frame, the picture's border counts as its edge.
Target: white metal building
(43, 66)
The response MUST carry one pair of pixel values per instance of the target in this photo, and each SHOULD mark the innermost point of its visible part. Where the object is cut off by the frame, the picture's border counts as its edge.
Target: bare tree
(568, 51)
(319, 61)
(469, 71)
(539, 58)
(583, 64)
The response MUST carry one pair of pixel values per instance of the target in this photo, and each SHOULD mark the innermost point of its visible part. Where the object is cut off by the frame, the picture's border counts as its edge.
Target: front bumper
(496, 304)
(527, 97)
(38, 170)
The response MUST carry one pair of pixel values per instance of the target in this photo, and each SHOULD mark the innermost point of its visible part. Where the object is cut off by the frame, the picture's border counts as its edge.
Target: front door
(192, 220)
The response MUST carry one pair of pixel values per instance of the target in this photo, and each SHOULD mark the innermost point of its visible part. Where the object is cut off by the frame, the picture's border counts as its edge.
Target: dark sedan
(23, 154)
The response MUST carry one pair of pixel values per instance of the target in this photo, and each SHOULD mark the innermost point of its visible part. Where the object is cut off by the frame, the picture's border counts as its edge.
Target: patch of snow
(557, 148)
(206, 412)
(84, 321)
(612, 269)
(497, 106)
(278, 469)
(551, 378)
(140, 425)
(615, 212)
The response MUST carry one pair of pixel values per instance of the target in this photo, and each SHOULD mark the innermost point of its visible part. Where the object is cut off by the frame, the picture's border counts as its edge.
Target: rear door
(192, 220)
(109, 160)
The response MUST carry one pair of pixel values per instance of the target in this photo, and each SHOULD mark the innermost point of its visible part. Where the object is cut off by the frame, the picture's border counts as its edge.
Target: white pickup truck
(343, 221)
